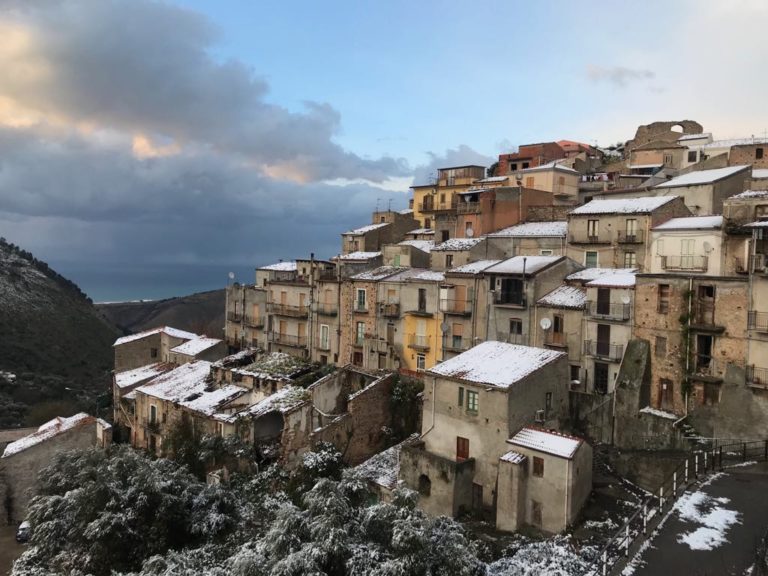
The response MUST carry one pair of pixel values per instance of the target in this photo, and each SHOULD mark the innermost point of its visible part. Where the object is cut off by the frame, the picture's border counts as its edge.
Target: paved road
(9, 549)
(745, 489)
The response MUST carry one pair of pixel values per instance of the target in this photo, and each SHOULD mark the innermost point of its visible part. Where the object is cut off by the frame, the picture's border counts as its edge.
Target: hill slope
(51, 338)
(202, 313)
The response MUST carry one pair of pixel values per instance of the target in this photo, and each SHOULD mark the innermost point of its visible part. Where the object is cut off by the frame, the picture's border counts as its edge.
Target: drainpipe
(526, 303)
(750, 272)
(688, 344)
(434, 402)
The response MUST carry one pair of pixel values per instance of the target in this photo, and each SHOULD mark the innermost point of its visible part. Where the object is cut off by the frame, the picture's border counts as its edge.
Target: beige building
(459, 251)
(410, 253)
(691, 244)
(387, 227)
(559, 325)
(246, 313)
(202, 348)
(653, 156)
(148, 347)
(530, 239)
(554, 177)
(704, 191)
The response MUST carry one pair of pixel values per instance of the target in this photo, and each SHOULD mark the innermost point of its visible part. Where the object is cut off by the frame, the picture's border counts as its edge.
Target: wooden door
(462, 449)
(460, 292)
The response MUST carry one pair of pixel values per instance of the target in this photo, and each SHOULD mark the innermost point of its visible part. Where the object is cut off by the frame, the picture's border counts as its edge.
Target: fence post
(626, 541)
(674, 484)
(721, 458)
(744, 452)
(686, 470)
(605, 563)
(695, 465)
(661, 498)
(645, 517)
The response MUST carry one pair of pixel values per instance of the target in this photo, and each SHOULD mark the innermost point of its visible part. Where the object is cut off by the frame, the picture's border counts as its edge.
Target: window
(382, 219)
(425, 485)
(663, 302)
(153, 352)
(457, 334)
(442, 198)
(428, 223)
(153, 414)
(667, 159)
(592, 229)
(660, 349)
(525, 165)
(630, 260)
(359, 333)
(468, 229)
(601, 377)
(421, 362)
(575, 373)
(325, 333)
(666, 392)
(449, 261)
(472, 401)
(758, 153)
(537, 466)
(461, 396)
(545, 252)
(360, 302)
(692, 155)
(422, 299)
(515, 331)
(462, 448)
(530, 182)
(445, 235)
(513, 167)
(511, 291)
(590, 259)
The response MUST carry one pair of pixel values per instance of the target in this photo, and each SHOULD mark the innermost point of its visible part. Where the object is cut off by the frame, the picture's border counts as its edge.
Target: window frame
(537, 467)
(473, 401)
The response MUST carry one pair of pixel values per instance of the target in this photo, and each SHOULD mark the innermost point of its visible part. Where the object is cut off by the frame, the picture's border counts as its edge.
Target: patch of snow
(513, 457)
(715, 520)
(359, 255)
(47, 431)
(759, 224)
(685, 137)
(131, 377)
(594, 273)
(747, 194)
(421, 231)
(736, 142)
(515, 265)
(569, 297)
(274, 366)
(384, 468)
(623, 205)
(474, 267)
(196, 346)
(173, 332)
(457, 244)
(555, 443)
(365, 229)
(379, 273)
(534, 230)
(207, 403)
(423, 245)
(280, 267)
(691, 223)
(742, 464)
(659, 413)
(759, 172)
(703, 177)
(179, 383)
(614, 281)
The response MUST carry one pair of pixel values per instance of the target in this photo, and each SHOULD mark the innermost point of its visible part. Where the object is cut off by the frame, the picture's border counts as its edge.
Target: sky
(147, 148)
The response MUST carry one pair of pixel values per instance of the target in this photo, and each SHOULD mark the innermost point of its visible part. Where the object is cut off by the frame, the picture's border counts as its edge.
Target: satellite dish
(470, 233)
(519, 176)
(626, 299)
(707, 247)
(444, 327)
(545, 323)
(231, 275)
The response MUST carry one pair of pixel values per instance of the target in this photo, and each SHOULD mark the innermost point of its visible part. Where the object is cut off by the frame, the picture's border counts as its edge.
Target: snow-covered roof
(759, 172)
(280, 267)
(516, 264)
(421, 231)
(141, 374)
(473, 267)
(694, 136)
(179, 383)
(659, 413)
(491, 179)
(365, 229)
(735, 142)
(237, 359)
(417, 274)
(423, 245)
(747, 194)
(534, 229)
(513, 457)
(569, 297)
(379, 273)
(49, 430)
(703, 177)
(173, 332)
(457, 244)
(550, 442)
(644, 166)
(406, 211)
(614, 281)
(496, 363)
(692, 223)
(384, 468)
(283, 400)
(196, 346)
(593, 273)
(274, 366)
(359, 255)
(623, 205)
(208, 403)
(758, 224)
(553, 165)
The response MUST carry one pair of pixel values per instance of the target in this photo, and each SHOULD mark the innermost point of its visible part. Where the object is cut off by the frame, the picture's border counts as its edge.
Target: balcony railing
(685, 263)
(608, 310)
(704, 313)
(438, 206)
(558, 339)
(289, 310)
(586, 238)
(418, 341)
(513, 338)
(456, 343)
(288, 339)
(327, 308)
(757, 321)
(757, 377)
(604, 350)
(458, 307)
(468, 207)
(630, 236)
(254, 321)
(391, 310)
(151, 425)
(510, 298)
(360, 307)
(707, 366)
(755, 263)
(234, 316)
(324, 345)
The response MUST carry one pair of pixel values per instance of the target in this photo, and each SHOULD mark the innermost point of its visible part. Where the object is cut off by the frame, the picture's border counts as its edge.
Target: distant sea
(126, 282)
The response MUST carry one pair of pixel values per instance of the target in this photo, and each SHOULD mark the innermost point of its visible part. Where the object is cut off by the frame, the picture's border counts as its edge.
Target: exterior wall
(410, 256)
(531, 154)
(480, 251)
(427, 342)
(558, 182)
(216, 352)
(510, 246)
(512, 496)
(471, 314)
(246, 316)
(496, 209)
(325, 312)
(658, 156)
(744, 154)
(350, 316)
(572, 339)
(668, 243)
(147, 350)
(287, 315)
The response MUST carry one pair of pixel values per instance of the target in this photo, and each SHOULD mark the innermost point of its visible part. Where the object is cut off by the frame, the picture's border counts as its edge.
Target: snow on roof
(384, 468)
(691, 223)
(643, 166)
(173, 332)
(207, 403)
(759, 172)
(515, 265)
(179, 383)
(280, 267)
(457, 244)
(423, 245)
(703, 177)
(275, 366)
(406, 211)
(359, 255)
(747, 194)
(283, 400)
(659, 413)
(137, 375)
(421, 231)
(614, 281)
(473, 267)
(496, 363)
(694, 136)
(513, 457)
(570, 297)
(551, 442)
(594, 273)
(735, 142)
(493, 179)
(49, 430)
(623, 205)
(237, 359)
(417, 274)
(534, 229)
(758, 224)
(379, 273)
(553, 165)
(196, 346)
(365, 229)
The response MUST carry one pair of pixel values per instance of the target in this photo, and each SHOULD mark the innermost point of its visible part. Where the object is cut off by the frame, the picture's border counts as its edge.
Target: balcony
(510, 299)
(418, 341)
(289, 310)
(630, 236)
(391, 310)
(757, 321)
(152, 426)
(514, 338)
(586, 238)
(755, 263)
(555, 339)
(456, 344)
(684, 263)
(438, 206)
(608, 311)
(288, 339)
(254, 321)
(757, 377)
(456, 307)
(234, 316)
(468, 208)
(421, 311)
(704, 316)
(360, 307)
(327, 308)
(324, 345)
(708, 369)
(604, 350)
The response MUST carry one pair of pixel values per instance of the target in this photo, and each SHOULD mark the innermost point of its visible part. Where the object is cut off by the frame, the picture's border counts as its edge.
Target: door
(390, 332)
(631, 229)
(604, 301)
(422, 299)
(302, 334)
(325, 337)
(302, 301)
(601, 377)
(477, 497)
(686, 254)
(460, 292)
(530, 182)
(558, 334)
(283, 298)
(603, 339)
(458, 335)
(704, 354)
(256, 314)
(281, 330)
(421, 333)
(462, 449)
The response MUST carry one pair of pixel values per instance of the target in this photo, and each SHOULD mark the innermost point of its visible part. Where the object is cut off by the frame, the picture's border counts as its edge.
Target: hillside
(202, 313)
(55, 347)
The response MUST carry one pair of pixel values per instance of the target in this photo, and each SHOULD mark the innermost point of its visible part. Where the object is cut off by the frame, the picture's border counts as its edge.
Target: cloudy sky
(148, 147)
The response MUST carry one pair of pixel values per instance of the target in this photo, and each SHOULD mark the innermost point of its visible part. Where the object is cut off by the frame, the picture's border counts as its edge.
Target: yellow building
(441, 195)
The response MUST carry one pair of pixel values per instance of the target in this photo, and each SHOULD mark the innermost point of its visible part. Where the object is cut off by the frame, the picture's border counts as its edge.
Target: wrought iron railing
(608, 310)
(289, 310)
(685, 263)
(604, 350)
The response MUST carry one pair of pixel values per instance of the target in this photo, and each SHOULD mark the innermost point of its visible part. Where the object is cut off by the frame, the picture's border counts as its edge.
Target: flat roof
(703, 177)
(547, 441)
(519, 264)
(623, 205)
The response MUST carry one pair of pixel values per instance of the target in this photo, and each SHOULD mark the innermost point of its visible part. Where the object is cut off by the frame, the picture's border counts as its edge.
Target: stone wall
(747, 154)
(661, 131)
(548, 213)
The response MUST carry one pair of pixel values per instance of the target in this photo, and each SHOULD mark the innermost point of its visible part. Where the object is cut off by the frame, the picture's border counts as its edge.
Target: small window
(360, 303)
(428, 223)
(593, 227)
(663, 302)
(692, 155)
(575, 372)
(548, 402)
(445, 235)
(660, 349)
(421, 362)
(525, 165)
(538, 466)
(472, 401)
(545, 252)
(590, 259)
(461, 396)
(630, 260)
(359, 333)
(449, 261)
(513, 167)
(153, 414)
(758, 153)
(153, 352)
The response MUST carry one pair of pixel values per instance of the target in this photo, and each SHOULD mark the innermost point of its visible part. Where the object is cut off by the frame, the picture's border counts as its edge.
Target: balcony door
(601, 377)
(631, 229)
(603, 339)
(460, 295)
(462, 449)
(604, 301)
(686, 254)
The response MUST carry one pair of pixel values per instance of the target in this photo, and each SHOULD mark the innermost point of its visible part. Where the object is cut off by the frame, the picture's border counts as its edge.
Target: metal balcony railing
(757, 321)
(289, 310)
(288, 339)
(327, 308)
(513, 338)
(456, 343)
(419, 341)
(586, 238)
(630, 236)
(757, 377)
(558, 339)
(391, 310)
(468, 207)
(604, 350)
(510, 298)
(704, 313)
(608, 310)
(684, 263)
(360, 307)
(234, 316)
(707, 366)
(254, 321)
(458, 307)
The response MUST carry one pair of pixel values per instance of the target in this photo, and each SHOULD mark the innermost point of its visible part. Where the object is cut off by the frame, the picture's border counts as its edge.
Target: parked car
(23, 533)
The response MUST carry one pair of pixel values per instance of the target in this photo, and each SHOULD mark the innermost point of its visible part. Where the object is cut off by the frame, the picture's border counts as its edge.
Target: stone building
(704, 191)
(554, 177)
(246, 312)
(23, 459)
(651, 157)
(530, 239)
(123, 383)
(559, 325)
(440, 195)
(148, 347)
(411, 253)
(458, 251)
(202, 348)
